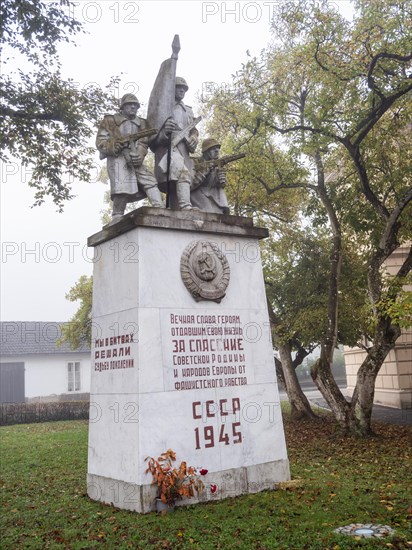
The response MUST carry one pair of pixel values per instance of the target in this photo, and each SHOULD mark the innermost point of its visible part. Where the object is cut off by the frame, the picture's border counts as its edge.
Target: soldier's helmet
(181, 82)
(208, 143)
(129, 98)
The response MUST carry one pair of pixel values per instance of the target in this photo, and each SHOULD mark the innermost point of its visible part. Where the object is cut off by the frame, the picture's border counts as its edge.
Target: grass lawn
(343, 481)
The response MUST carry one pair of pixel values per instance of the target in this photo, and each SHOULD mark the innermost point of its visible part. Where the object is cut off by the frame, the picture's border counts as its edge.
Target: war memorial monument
(182, 357)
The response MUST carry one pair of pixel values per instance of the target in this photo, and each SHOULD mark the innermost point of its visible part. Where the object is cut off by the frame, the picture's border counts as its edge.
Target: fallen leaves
(329, 488)
(291, 484)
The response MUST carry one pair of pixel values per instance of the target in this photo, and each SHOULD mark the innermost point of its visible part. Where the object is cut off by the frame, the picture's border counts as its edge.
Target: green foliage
(256, 183)
(349, 68)
(79, 328)
(396, 301)
(339, 481)
(35, 28)
(296, 267)
(296, 275)
(339, 89)
(47, 121)
(325, 112)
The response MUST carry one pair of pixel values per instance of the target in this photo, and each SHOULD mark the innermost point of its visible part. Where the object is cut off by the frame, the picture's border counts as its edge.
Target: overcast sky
(44, 252)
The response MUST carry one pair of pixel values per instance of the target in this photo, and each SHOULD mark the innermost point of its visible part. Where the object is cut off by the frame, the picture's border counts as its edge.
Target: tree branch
(363, 128)
(274, 216)
(376, 58)
(335, 263)
(406, 266)
(354, 152)
(6, 111)
(388, 239)
(271, 190)
(305, 128)
(326, 69)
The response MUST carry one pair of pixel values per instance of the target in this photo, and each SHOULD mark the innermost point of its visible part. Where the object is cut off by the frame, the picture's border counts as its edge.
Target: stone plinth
(172, 371)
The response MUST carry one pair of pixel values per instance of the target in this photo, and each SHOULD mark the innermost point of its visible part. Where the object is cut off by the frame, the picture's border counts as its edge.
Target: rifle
(218, 163)
(173, 142)
(184, 134)
(124, 140)
(131, 139)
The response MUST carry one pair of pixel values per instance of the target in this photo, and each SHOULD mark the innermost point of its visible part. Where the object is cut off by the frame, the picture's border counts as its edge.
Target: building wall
(46, 377)
(394, 382)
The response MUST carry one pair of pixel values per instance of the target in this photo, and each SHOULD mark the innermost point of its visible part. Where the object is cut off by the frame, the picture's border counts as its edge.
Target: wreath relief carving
(205, 271)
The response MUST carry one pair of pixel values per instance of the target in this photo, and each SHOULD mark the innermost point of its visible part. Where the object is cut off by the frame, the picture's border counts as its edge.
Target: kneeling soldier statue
(207, 189)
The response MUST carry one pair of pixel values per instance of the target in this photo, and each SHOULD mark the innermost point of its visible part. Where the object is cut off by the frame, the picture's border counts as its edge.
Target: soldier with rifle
(177, 138)
(123, 139)
(209, 181)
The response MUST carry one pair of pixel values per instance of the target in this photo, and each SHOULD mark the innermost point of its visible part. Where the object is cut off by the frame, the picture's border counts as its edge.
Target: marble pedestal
(172, 372)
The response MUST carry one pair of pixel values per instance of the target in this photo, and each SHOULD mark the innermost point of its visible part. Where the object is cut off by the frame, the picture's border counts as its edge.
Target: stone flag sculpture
(177, 138)
(162, 97)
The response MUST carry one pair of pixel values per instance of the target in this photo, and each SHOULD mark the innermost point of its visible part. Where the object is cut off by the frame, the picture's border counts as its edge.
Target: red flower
(213, 488)
(203, 472)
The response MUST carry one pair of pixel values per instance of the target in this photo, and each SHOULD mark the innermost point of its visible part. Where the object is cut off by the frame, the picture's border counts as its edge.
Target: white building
(33, 367)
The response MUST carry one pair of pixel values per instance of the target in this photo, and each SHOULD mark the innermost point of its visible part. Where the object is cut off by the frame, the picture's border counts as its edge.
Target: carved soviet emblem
(205, 271)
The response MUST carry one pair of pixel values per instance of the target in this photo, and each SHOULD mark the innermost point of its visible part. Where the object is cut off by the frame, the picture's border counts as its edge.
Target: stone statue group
(171, 134)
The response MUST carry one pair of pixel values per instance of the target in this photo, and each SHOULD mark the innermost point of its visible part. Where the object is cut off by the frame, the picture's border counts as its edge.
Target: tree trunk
(362, 404)
(385, 336)
(279, 373)
(362, 399)
(297, 399)
(321, 373)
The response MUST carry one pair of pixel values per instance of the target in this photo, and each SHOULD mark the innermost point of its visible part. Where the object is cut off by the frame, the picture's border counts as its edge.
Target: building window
(73, 376)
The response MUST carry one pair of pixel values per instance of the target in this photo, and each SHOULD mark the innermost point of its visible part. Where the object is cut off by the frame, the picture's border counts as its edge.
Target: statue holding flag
(177, 137)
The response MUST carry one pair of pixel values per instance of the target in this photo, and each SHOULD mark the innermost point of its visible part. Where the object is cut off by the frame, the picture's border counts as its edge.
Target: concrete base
(171, 370)
(396, 399)
(230, 483)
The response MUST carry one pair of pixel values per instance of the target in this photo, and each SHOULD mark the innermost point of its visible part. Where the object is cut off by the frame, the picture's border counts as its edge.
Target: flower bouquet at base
(174, 482)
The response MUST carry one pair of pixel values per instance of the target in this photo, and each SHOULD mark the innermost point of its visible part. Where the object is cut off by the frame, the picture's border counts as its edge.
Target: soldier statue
(172, 147)
(209, 181)
(124, 139)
